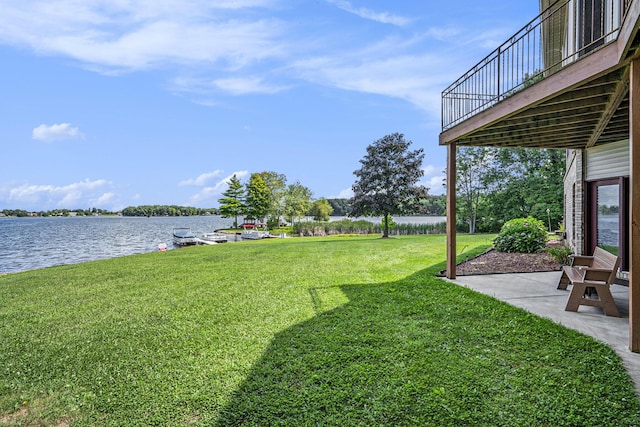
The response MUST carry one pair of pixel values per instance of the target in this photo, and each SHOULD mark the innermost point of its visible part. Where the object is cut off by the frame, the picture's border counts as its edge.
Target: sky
(116, 103)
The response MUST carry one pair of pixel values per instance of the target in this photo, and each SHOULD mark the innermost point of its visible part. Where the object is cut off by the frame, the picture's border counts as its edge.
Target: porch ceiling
(589, 113)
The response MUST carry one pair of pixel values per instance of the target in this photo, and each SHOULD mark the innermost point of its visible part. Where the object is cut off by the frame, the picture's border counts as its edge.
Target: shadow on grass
(423, 351)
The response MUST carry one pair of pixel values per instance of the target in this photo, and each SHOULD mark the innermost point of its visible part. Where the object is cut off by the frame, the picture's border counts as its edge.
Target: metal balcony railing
(561, 34)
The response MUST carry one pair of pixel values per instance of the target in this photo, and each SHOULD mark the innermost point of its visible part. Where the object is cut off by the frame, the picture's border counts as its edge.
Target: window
(590, 25)
(608, 217)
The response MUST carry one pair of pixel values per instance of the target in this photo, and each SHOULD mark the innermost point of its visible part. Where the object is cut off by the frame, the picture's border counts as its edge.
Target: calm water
(30, 243)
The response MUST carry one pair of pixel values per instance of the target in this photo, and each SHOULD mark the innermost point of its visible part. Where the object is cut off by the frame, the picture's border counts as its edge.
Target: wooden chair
(591, 277)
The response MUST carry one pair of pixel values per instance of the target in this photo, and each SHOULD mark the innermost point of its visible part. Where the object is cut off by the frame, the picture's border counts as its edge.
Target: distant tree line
(608, 210)
(167, 210)
(56, 212)
(431, 206)
(340, 207)
(145, 210)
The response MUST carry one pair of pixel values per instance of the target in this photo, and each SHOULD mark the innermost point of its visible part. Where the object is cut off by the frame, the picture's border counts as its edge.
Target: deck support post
(451, 211)
(634, 206)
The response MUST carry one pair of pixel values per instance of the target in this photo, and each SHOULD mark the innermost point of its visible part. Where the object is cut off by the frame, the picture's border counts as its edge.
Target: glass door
(608, 223)
(608, 217)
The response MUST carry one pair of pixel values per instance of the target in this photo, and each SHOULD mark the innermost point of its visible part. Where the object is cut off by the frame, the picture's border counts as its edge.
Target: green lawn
(305, 331)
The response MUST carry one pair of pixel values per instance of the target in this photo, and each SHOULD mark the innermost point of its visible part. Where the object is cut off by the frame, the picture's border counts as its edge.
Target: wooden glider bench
(591, 277)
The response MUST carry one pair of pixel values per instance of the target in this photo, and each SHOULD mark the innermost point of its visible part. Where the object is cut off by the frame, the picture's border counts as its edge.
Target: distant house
(570, 79)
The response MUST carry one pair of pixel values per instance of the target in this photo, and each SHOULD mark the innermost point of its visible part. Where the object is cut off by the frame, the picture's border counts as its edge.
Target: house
(570, 79)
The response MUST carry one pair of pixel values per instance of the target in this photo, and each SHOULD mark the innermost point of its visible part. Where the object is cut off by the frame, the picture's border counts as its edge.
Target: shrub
(526, 235)
(318, 228)
(561, 254)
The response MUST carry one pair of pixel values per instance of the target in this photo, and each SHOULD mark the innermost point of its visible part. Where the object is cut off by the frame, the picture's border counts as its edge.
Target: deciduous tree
(495, 185)
(321, 210)
(474, 180)
(276, 185)
(297, 201)
(258, 197)
(387, 182)
(533, 183)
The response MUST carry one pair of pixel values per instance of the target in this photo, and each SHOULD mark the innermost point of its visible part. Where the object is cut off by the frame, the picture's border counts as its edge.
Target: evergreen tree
(232, 204)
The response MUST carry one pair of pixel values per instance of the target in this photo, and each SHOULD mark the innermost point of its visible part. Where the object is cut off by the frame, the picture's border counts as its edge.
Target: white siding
(608, 161)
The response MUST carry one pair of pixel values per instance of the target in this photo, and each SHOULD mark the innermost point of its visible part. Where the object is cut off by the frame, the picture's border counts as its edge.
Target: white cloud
(242, 86)
(428, 170)
(56, 132)
(124, 36)
(234, 47)
(202, 179)
(382, 17)
(443, 33)
(212, 193)
(434, 178)
(345, 194)
(71, 196)
(231, 85)
(105, 199)
(238, 174)
(383, 69)
(436, 185)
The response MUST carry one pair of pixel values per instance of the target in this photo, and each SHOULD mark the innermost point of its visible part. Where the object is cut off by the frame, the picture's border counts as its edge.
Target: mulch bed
(494, 262)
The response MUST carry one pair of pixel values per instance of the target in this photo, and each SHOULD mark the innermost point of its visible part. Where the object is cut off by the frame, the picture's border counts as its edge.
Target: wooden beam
(451, 211)
(629, 30)
(634, 207)
(546, 121)
(610, 110)
(581, 72)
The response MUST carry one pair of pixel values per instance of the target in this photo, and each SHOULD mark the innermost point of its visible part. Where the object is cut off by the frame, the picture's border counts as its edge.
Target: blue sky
(115, 103)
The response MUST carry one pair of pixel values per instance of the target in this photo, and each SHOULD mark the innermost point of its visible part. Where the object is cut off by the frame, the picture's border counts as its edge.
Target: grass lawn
(305, 331)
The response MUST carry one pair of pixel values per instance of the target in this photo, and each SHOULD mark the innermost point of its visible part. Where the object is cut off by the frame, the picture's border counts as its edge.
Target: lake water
(31, 243)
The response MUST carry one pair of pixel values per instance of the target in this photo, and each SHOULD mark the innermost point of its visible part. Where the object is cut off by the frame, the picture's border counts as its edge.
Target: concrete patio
(537, 293)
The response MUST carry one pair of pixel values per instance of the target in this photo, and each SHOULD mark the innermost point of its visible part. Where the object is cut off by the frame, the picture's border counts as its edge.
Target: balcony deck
(578, 101)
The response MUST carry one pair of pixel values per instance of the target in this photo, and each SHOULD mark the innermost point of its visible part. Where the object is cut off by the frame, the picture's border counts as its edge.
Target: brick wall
(574, 201)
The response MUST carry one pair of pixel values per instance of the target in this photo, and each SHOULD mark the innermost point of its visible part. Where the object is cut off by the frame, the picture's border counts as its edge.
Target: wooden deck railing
(561, 34)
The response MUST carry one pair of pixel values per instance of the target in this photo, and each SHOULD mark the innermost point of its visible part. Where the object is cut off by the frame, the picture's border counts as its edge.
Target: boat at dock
(182, 236)
(255, 231)
(213, 238)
